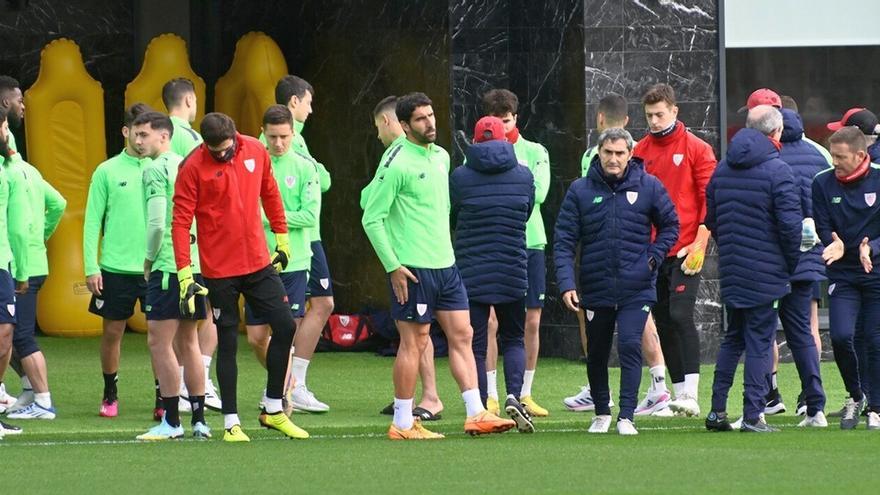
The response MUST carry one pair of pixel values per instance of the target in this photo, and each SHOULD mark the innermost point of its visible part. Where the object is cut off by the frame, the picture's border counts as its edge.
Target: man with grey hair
(753, 211)
(611, 213)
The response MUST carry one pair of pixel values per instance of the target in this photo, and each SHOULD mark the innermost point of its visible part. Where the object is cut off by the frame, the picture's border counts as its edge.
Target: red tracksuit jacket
(684, 164)
(225, 200)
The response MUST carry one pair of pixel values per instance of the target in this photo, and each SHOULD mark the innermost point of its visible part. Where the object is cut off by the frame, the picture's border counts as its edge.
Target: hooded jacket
(805, 162)
(492, 197)
(754, 212)
(613, 223)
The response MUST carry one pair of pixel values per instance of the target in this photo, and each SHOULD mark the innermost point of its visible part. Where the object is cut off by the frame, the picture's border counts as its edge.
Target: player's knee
(460, 338)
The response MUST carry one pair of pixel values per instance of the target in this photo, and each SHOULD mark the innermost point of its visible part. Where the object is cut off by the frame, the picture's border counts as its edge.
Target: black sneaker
(389, 410)
(717, 421)
(850, 418)
(758, 426)
(518, 413)
(774, 405)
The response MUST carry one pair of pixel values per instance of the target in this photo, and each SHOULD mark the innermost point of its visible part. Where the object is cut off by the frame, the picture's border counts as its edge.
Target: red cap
(762, 96)
(488, 128)
(862, 118)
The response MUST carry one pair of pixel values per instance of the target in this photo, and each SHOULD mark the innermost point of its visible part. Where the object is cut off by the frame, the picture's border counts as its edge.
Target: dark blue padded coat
(805, 162)
(754, 212)
(613, 223)
(491, 198)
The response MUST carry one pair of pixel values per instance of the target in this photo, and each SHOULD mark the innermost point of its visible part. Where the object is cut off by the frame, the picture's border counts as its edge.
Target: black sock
(158, 396)
(172, 414)
(110, 380)
(198, 408)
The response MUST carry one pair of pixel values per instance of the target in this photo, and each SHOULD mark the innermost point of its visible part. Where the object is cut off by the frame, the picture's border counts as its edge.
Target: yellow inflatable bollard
(248, 88)
(65, 141)
(166, 58)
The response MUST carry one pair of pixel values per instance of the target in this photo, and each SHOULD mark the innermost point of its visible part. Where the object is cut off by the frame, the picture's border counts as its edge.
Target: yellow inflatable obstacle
(65, 141)
(248, 88)
(166, 58)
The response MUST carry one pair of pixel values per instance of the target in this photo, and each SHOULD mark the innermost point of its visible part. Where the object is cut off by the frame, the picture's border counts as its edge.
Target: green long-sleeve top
(159, 177)
(15, 220)
(46, 206)
(406, 214)
(301, 195)
(115, 215)
(535, 157)
(184, 139)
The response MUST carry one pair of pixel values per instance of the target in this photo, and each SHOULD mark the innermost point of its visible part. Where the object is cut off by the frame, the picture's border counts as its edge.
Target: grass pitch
(80, 452)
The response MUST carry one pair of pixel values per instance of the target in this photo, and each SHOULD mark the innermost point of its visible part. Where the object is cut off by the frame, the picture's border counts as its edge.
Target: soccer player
(222, 184)
(11, 100)
(300, 192)
(179, 97)
(151, 134)
(45, 205)
(492, 198)
(613, 213)
(297, 94)
(115, 216)
(504, 104)
(13, 248)
(406, 218)
(612, 112)
(754, 211)
(847, 216)
(684, 164)
(391, 135)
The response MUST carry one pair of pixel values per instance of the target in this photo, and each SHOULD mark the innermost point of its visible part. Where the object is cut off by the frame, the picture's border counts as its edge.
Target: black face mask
(226, 155)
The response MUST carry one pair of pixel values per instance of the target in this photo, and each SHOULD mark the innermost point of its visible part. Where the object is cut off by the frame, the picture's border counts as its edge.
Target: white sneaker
(33, 411)
(600, 424)
(25, 399)
(6, 400)
(212, 400)
(583, 401)
(663, 413)
(873, 421)
(626, 427)
(685, 404)
(654, 401)
(183, 404)
(304, 400)
(817, 421)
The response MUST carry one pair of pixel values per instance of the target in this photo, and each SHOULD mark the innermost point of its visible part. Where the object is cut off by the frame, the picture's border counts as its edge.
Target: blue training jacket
(491, 197)
(853, 212)
(754, 212)
(805, 162)
(613, 224)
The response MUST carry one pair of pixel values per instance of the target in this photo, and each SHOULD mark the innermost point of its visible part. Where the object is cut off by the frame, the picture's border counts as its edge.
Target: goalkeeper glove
(809, 238)
(695, 252)
(282, 252)
(189, 289)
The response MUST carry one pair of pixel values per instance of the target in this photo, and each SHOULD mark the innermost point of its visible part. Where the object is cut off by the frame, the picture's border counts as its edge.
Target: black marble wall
(103, 29)
(630, 45)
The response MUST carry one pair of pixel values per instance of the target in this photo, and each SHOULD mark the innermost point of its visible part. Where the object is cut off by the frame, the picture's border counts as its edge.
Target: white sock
(528, 377)
(492, 383)
(403, 417)
(773, 384)
(472, 402)
(272, 405)
(658, 378)
(299, 367)
(230, 420)
(43, 399)
(678, 388)
(26, 383)
(692, 384)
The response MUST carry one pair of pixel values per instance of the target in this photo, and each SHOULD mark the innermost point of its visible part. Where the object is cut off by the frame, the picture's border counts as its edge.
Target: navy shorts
(120, 293)
(537, 279)
(295, 286)
(438, 290)
(320, 283)
(817, 291)
(7, 298)
(163, 298)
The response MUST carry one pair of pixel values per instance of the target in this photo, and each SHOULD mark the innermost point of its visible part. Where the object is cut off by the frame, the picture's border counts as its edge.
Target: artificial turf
(349, 453)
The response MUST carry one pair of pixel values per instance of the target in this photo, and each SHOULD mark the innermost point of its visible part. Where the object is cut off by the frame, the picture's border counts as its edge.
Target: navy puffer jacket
(754, 213)
(805, 162)
(613, 223)
(492, 196)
